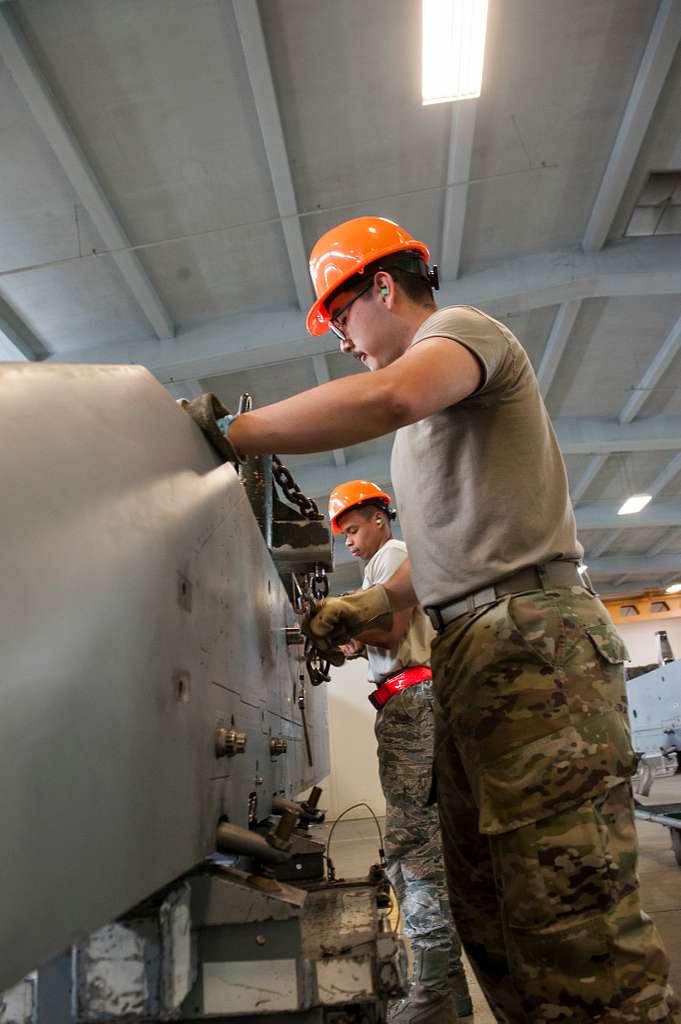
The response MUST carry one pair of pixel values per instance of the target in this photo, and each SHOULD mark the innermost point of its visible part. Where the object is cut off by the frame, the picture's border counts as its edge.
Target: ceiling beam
(652, 73)
(664, 477)
(18, 343)
(321, 372)
(260, 75)
(602, 545)
(461, 135)
(651, 76)
(653, 375)
(602, 437)
(555, 345)
(669, 539)
(665, 354)
(35, 89)
(648, 266)
(635, 565)
(588, 476)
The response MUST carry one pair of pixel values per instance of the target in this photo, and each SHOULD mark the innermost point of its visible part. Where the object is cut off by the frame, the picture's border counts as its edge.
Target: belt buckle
(481, 597)
(436, 620)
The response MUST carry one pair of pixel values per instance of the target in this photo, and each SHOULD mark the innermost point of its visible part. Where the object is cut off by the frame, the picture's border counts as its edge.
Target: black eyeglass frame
(333, 326)
(408, 262)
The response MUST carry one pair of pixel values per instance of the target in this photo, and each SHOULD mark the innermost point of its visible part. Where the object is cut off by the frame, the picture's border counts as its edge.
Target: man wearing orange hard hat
(533, 754)
(399, 668)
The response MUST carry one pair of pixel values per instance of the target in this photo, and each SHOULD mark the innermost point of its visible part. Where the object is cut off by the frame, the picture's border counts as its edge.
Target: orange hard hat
(350, 495)
(347, 250)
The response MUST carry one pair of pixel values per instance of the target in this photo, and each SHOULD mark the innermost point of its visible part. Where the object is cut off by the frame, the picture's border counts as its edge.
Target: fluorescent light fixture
(673, 589)
(453, 49)
(634, 504)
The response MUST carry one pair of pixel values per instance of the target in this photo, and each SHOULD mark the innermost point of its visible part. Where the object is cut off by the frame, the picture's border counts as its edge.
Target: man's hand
(354, 649)
(206, 411)
(335, 620)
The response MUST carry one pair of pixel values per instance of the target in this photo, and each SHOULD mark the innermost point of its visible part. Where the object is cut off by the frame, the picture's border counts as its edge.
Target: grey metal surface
(139, 968)
(266, 948)
(654, 705)
(139, 611)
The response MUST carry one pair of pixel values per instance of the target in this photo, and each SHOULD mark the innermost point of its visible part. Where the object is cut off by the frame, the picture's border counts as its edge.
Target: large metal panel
(654, 705)
(139, 607)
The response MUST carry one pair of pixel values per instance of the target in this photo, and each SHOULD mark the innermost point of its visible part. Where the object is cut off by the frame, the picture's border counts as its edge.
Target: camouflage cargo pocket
(558, 771)
(562, 870)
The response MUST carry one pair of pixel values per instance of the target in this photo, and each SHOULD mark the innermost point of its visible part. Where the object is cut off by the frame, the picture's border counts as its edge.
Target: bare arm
(433, 375)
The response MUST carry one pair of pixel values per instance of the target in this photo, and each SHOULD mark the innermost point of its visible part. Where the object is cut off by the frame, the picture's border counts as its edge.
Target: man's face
(364, 531)
(366, 331)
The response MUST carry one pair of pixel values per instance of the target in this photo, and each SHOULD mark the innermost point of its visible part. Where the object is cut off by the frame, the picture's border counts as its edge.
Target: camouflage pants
(413, 845)
(532, 763)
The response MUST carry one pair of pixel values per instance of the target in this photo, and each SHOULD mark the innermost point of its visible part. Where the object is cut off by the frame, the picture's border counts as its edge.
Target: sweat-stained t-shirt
(415, 646)
(481, 486)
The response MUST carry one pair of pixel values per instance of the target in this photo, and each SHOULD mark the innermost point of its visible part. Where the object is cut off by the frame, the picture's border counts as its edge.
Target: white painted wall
(354, 766)
(640, 639)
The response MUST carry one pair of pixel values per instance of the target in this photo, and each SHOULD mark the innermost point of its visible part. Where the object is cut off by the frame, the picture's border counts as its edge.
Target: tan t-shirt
(415, 646)
(481, 486)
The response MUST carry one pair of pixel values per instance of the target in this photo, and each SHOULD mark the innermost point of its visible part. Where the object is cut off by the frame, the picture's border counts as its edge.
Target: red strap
(400, 681)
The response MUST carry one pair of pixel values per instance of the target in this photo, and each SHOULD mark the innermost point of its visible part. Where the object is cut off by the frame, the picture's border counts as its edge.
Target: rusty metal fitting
(278, 745)
(280, 837)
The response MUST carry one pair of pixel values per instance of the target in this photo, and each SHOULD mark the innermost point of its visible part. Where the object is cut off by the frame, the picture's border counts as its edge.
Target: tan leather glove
(335, 620)
(206, 411)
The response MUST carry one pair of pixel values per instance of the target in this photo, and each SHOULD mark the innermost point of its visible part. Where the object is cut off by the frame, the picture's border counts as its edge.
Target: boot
(429, 1000)
(458, 986)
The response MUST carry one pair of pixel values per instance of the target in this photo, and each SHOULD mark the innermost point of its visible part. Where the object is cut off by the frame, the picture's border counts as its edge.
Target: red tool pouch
(397, 683)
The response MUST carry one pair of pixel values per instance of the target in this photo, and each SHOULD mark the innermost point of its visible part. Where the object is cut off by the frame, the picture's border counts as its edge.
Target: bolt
(229, 742)
(278, 745)
(294, 635)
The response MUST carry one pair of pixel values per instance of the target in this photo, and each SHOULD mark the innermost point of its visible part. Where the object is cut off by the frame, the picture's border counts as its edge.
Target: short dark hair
(407, 270)
(369, 507)
(414, 286)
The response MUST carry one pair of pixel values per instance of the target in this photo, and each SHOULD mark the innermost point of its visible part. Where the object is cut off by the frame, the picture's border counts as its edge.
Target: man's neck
(413, 320)
(383, 543)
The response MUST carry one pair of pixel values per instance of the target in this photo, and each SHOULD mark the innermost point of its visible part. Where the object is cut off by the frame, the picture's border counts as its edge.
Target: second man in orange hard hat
(399, 668)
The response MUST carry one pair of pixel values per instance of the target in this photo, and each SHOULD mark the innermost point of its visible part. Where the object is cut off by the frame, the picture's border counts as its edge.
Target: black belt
(558, 573)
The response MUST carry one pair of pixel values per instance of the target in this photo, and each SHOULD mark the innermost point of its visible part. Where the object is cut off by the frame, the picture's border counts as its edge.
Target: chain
(311, 587)
(319, 583)
(317, 667)
(306, 506)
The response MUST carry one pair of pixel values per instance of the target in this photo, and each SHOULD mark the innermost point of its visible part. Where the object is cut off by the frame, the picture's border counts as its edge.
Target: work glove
(334, 657)
(206, 411)
(335, 620)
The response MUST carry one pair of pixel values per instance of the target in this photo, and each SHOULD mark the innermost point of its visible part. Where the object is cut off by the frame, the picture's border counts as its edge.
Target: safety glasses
(336, 324)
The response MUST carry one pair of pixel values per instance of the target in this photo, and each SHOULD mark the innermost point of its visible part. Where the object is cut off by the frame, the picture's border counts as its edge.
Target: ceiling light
(674, 588)
(634, 504)
(453, 49)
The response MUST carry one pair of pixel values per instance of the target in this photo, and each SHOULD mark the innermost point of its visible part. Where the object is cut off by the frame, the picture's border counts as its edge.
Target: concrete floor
(354, 847)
